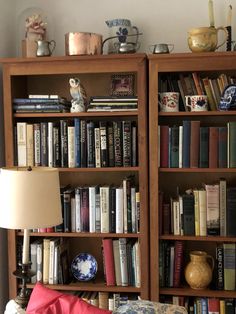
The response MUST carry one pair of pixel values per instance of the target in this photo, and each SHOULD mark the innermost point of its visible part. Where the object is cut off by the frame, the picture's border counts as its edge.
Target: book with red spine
(109, 262)
(213, 146)
(164, 146)
(178, 263)
(213, 306)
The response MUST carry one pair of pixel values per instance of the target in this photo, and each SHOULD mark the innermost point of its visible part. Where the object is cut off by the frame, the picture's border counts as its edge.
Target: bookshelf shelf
(82, 235)
(168, 185)
(50, 76)
(198, 170)
(198, 238)
(94, 286)
(198, 293)
(81, 114)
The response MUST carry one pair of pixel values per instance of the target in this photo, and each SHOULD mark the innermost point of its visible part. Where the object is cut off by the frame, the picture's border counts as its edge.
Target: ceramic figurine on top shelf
(78, 93)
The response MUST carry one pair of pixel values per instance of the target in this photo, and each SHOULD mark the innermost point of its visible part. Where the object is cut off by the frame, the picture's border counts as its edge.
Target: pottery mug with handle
(169, 101)
(197, 102)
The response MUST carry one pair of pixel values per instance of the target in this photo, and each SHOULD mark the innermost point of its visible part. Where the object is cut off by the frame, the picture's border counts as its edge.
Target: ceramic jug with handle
(121, 28)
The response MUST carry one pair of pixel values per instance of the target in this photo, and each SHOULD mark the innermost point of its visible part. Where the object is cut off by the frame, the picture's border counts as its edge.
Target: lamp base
(24, 273)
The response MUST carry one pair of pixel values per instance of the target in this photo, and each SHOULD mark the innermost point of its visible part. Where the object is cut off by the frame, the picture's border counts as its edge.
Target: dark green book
(232, 144)
(222, 147)
(188, 214)
(174, 147)
(204, 147)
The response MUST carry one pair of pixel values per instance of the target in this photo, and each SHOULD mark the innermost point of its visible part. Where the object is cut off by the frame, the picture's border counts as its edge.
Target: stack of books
(110, 103)
(41, 103)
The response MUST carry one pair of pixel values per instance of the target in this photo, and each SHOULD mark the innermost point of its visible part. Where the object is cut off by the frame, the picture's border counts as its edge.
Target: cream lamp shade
(29, 198)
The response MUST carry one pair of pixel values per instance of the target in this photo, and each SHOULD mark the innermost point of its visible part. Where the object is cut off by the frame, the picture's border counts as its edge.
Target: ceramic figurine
(78, 93)
(35, 27)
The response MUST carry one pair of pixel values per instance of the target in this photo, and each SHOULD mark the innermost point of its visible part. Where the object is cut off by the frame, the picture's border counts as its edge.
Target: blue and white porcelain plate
(84, 267)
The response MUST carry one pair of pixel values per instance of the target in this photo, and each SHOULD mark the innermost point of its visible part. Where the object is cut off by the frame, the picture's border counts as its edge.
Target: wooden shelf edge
(90, 287)
(102, 169)
(79, 114)
(198, 293)
(200, 114)
(82, 235)
(197, 170)
(197, 238)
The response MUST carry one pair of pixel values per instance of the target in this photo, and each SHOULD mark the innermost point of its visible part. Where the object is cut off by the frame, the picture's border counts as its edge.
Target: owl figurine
(78, 93)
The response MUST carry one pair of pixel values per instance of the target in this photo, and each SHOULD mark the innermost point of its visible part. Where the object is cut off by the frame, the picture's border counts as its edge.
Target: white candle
(25, 256)
(211, 13)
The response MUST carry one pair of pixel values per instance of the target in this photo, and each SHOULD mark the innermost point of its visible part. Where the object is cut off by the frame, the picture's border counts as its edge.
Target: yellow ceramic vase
(198, 272)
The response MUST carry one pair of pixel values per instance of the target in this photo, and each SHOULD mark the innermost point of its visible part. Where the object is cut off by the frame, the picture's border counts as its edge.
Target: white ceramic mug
(197, 102)
(169, 102)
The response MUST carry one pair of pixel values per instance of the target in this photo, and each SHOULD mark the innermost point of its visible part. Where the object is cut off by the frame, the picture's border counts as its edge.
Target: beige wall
(159, 20)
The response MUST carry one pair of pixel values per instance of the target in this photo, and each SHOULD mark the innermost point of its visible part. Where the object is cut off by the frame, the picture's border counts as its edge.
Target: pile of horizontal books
(111, 103)
(41, 103)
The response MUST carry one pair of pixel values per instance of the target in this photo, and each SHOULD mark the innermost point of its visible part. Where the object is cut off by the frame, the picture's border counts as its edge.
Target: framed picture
(122, 85)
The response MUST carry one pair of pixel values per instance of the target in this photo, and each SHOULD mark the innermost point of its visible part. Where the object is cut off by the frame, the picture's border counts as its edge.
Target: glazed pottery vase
(198, 272)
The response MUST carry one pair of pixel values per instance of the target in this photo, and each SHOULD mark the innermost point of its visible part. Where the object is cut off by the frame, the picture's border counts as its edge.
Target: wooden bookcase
(50, 75)
(168, 179)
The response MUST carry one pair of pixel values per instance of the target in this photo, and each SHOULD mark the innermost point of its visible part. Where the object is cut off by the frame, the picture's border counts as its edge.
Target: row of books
(105, 300)
(50, 261)
(203, 305)
(49, 258)
(200, 212)
(105, 103)
(121, 262)
(171, 265)
(105, 209)
(194, 146)
(76, 143)
(51, 103)
(194, 84)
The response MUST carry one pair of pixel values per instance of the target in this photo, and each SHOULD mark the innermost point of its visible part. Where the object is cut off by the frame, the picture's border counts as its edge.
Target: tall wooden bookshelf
(168, 179)
(50, 75)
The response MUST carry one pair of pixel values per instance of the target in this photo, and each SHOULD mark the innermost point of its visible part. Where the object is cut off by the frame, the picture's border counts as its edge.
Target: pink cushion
(47, 301)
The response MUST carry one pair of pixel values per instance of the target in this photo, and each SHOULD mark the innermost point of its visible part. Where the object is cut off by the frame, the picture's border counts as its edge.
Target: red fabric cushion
(47, 301)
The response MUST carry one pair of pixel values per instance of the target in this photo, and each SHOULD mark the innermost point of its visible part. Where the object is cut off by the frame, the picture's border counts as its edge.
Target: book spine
(90, 145)
(97, 147)
(37, 145)
(56, 147)
(83, 144)
(77, 142)
(64, 143)
(222, 147)
(112, 209)
(223, 207)
(188, 213)
(231, 144)
(67, 211)
(204, 147)
(119, 210)
(230, 211)
(174, 147)
(21, 144)
(219, 267)
(30, 144)
(229, 266)
(186, 143)
(77, 210)
(50, 144)
(123, 261)
(134, 146)
(92, 208)
(202, 213)
(33, 259)
(104, 199)
(71, 146)
(39, 269)
(111, 155)
(194, 143)
(178, 263)
(133, 210)
(126, 131)
(46, 249)
(213, 210)
(116, 253)
(44, 143)
(103, 143)
(109, 261)
(117, 128)
(98, 211)
(213, 147)
(84, 210)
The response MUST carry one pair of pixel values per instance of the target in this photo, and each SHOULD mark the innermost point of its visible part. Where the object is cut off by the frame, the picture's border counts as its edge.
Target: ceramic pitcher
(121, 28)
(198, 272)
(45, 48)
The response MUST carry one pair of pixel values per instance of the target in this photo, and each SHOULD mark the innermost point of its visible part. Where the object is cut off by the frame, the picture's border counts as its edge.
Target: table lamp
(30, 198)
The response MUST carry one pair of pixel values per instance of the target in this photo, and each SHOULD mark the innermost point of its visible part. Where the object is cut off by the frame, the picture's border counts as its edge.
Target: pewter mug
(162, 48)
(45, 48)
